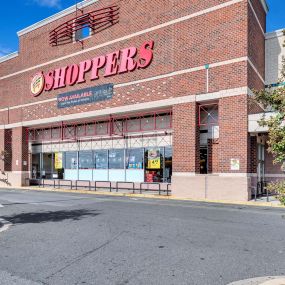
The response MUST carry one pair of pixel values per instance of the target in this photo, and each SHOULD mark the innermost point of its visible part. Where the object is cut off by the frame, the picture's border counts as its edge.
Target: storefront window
(147, 123)
(133, 125)
(102, 129)
(55, 133)
(167, 164)
(81, 130)
(154, 164)
(71, 160)
(116, 159)
(134, 158)
(101, 159)
(163, 121)
(36, 171)
(85, 160)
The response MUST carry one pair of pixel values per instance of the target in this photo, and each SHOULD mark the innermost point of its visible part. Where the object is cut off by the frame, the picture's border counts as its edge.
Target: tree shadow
(45, 217)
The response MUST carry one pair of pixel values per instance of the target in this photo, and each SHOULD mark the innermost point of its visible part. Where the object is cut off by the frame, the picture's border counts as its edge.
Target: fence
(140, 187)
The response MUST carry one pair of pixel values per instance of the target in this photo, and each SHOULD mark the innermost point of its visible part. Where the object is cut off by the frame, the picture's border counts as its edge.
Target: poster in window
(235, 164)
(58, 160)
(153, 158)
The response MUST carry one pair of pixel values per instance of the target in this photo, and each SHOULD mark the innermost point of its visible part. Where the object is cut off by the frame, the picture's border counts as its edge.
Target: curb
(150, 196)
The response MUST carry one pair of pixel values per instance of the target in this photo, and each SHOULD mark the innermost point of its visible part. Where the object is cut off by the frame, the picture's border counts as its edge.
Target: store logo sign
(37, 84)
(118, 62)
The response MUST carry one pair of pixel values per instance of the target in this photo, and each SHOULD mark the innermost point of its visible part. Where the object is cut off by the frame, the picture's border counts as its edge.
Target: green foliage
(278, 188)
(273, 99)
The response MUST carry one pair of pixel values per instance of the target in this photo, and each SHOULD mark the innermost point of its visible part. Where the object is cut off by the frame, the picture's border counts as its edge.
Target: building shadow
(50, 216)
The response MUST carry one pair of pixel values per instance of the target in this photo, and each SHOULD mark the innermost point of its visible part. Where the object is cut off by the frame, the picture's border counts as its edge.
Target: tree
(273, 98)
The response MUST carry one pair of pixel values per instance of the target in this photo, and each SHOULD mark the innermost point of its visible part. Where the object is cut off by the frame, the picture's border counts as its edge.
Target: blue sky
(28, 12)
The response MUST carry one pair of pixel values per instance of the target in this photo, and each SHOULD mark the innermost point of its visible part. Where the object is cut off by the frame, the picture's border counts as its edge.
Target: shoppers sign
(85, 96)
(118, 62)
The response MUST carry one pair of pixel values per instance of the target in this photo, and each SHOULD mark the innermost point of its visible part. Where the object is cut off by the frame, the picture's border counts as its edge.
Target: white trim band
(9, 56)
(134, 107)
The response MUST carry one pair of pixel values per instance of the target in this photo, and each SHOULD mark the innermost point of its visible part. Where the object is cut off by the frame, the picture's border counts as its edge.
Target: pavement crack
(79, 258)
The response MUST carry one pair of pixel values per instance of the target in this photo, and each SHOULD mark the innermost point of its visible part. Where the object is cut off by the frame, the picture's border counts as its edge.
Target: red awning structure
(96, 21)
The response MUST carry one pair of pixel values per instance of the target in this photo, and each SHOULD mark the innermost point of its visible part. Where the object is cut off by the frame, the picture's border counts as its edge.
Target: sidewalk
(260, 202)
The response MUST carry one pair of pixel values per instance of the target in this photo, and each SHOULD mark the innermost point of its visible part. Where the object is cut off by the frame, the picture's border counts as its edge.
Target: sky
(19, 14)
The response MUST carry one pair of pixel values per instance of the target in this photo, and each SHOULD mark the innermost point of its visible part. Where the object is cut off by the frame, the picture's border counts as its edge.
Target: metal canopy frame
(112, 126)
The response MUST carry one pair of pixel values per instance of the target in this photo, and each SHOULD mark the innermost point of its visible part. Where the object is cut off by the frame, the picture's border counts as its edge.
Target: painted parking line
(1, 206)
(5, 225)
(269, 280)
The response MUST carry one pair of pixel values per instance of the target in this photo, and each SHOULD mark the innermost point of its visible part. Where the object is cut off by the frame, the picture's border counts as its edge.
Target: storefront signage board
(85, 96)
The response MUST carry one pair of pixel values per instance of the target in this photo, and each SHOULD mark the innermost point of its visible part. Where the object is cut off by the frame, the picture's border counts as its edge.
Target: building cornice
(82, 5)
(9, 56)
(264, 5)
(274, 34)
(56, 16)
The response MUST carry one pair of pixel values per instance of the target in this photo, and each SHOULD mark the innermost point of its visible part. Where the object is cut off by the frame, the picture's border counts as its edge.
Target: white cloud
(4, 51)
(48, 3)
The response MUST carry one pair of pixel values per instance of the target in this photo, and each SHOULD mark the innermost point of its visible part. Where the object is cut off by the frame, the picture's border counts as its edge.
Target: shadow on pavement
(44, 217)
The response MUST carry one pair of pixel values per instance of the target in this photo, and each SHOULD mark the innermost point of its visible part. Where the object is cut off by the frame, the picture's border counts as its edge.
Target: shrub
(278, 188)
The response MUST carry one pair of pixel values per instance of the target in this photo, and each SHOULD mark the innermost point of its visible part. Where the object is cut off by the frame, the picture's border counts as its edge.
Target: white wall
(274, 52)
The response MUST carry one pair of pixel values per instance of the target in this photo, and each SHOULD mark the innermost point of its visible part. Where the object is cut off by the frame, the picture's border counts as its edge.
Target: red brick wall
(256, 39)
(19, 149)
(186, 138)
(253, 161)
(270, 167)
(233, 132)
(184, 45)
(2, 148)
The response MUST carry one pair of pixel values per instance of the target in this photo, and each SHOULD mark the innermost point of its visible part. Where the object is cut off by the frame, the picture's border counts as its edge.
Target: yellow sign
(153, 159)
(58, 160)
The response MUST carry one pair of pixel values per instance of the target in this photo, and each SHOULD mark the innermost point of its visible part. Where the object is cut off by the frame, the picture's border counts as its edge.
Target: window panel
(71, 160)
(101, 159)
(134, 158)
(116, 159)
(85, 160)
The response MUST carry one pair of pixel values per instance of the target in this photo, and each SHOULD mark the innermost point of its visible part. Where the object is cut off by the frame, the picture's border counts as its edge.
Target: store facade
(125, 91)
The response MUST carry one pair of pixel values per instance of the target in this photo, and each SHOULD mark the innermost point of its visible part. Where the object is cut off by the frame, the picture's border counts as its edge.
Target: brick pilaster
(186, 156)
(19, 150)
(233, 133)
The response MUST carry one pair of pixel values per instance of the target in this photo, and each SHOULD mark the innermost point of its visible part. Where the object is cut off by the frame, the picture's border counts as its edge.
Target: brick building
(157, 91)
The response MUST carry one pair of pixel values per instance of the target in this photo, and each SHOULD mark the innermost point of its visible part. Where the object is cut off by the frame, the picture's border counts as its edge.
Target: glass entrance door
(260, 167)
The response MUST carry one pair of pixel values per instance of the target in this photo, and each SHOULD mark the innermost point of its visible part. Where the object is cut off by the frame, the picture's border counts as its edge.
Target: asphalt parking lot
(66, 238)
